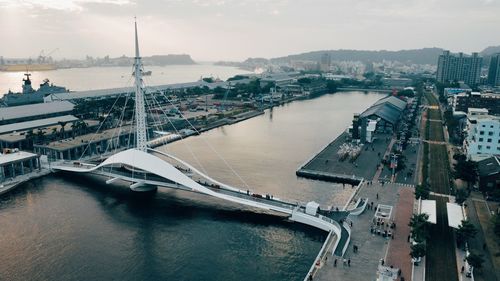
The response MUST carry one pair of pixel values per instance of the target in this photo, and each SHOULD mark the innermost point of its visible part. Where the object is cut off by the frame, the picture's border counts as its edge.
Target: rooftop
(36, 123)
(78, 141)
(489, 166)
(124, 90)
(16, 156)
(32, 110)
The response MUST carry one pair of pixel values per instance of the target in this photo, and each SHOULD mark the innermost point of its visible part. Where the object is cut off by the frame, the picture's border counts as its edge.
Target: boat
(30, 95)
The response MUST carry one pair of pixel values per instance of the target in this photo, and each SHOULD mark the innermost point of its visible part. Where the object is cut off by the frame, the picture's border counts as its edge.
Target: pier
(327, 166)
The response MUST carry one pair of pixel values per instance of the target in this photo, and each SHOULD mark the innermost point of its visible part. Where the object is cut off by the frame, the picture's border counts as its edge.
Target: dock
(327, 166)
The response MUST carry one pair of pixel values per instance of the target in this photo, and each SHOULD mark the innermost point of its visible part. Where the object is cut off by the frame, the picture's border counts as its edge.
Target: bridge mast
(140, 112)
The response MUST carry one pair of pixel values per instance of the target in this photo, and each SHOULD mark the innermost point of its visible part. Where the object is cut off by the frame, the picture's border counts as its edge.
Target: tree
(62, 124)
(496, 224)
(419, 226)
(466, 231)
(465, 169)
(461, 196)
(475, 260)
(422, 191)
(418, 250)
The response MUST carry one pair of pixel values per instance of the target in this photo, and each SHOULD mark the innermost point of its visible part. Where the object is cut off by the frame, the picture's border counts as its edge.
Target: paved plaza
(372, 248)
(365, 166)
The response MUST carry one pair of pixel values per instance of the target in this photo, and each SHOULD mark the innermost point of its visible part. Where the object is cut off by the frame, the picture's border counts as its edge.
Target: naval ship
(30, 95)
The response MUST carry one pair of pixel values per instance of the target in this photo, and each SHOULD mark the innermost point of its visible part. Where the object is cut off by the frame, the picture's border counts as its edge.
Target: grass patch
(425, 164)
(431, 99)
(440, 169)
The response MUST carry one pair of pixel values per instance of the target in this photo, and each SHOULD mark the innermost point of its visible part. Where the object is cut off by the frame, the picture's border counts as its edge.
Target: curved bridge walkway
(147, 169)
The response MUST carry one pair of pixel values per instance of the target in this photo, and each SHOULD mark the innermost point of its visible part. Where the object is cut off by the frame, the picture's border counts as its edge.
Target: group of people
(382, 227)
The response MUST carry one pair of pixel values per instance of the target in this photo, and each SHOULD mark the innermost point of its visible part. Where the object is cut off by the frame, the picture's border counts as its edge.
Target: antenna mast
(140, 112)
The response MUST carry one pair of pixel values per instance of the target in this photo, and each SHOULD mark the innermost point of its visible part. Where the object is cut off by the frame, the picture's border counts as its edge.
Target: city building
(489, 173)
(483, 135)
(450, 92)
(459, 68)
(494, 71)
(463, 101)
(325, 62)
(397, 83)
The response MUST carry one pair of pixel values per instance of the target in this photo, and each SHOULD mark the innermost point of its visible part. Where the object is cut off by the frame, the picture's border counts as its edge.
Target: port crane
(45, 58)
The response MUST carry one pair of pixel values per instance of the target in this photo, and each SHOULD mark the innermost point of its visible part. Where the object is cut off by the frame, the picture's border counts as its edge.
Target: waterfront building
(116, 92)
(483, 135)
(90, 145)
(397, 83)
(22, 135)
(494, 71)
(459, 68)
(387, 112)
(23, 113)
(14, 163)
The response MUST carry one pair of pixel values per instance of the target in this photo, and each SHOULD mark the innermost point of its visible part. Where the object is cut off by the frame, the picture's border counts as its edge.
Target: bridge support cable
(178, 133)
(99, 128)
(208, 143)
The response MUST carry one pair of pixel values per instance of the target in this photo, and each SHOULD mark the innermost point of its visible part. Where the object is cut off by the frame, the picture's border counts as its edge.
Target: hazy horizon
(212, 30)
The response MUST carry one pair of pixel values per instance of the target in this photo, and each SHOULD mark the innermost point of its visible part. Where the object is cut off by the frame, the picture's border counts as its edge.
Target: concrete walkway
(399, 250)
(372, 248)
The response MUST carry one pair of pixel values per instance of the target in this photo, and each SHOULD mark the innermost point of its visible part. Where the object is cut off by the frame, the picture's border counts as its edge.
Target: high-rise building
(325, 62)
(459, 68)
(494, 71)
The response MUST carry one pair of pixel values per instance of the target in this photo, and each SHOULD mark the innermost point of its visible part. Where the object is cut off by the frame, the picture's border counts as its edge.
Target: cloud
(68, 5)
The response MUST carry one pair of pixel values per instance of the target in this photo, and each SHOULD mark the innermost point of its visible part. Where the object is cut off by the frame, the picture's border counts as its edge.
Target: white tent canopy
(455, 214)
(429, 207)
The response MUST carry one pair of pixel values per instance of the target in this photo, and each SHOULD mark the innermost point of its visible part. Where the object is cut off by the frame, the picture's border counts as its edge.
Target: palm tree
(30, 136)
(40, 134)
(62, 124)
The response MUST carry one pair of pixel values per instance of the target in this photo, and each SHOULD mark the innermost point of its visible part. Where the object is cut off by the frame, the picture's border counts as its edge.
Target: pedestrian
(408, 239)
(377, 194)
(349, 262)
(462, 270)
(310, 277)
(351, 226)
(382, 262)
(335, 263)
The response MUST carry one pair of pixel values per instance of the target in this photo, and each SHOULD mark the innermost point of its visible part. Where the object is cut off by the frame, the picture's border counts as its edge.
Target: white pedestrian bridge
(144, 170)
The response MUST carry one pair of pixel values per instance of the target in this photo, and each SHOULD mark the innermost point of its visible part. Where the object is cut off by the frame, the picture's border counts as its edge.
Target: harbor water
(95, 78)
(67, 228)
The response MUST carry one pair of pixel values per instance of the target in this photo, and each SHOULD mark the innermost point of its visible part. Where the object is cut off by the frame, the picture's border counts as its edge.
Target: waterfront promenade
(373, 248)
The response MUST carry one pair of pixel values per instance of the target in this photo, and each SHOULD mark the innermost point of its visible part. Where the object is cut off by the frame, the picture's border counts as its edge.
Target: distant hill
(490, 51)
(168, 59)
(417, 56)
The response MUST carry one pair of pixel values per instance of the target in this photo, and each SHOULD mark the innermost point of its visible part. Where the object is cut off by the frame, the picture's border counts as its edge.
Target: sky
(212, 30)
